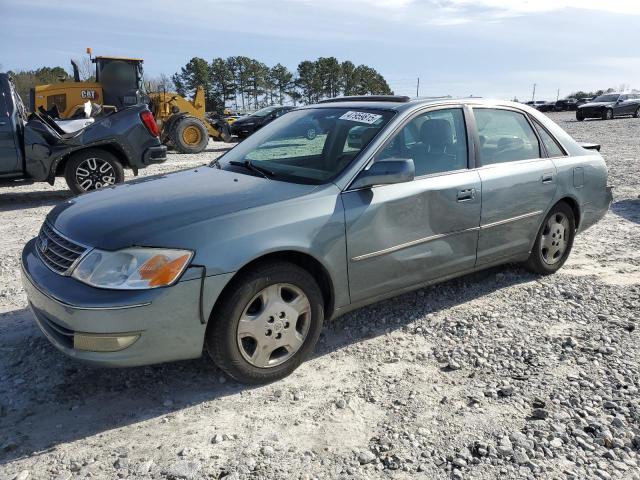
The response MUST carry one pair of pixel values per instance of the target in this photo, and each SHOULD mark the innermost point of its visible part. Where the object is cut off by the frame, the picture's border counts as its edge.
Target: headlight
(132, 268)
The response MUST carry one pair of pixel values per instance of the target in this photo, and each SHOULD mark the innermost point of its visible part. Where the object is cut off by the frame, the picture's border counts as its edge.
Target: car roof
(401, 106)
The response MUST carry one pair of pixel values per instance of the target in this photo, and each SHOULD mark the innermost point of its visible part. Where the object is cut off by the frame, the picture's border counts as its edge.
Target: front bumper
(165, 322)
(153, 155)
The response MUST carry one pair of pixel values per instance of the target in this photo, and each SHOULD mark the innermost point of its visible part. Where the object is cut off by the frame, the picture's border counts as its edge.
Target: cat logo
(88, 94)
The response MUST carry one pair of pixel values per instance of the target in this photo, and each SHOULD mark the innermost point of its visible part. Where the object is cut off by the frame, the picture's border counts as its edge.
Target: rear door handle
(466, 194)
(547, 177)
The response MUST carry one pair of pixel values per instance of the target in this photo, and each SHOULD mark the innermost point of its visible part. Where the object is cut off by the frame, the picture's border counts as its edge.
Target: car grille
(56, 251)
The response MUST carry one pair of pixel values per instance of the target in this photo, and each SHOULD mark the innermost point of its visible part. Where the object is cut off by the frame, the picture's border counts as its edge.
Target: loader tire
(189, 135)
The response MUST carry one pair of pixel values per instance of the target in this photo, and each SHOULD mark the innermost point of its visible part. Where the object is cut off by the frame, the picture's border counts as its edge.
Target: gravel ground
(500, 374)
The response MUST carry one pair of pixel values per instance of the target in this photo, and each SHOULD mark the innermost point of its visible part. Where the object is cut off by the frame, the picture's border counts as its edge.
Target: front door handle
(547, 177)
(466, 194)
(3, 123)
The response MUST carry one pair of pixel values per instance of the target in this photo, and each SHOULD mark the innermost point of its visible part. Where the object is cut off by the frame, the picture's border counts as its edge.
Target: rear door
(9, 154)
(518, 183)
(404, 234)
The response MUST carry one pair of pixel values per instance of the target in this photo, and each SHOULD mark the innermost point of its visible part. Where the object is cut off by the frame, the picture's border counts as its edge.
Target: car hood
(596, 104)
(136, 212)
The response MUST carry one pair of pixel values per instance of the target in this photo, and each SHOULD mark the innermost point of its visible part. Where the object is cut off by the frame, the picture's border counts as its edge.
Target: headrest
(436, 132)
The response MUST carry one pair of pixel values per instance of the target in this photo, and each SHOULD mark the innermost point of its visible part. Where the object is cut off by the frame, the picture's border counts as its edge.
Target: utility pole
(558, 95)
(533, 96)
(418, 88)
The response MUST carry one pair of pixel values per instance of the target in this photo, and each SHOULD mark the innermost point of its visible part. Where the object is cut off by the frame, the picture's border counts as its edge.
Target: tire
(637, 113)
(92, 169)
(310, 133)
(579, 116)
(189, 135)
(237, 353)
(559, 225)
(607, 114)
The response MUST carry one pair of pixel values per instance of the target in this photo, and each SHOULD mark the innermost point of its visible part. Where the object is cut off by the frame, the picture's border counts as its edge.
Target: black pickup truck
(34, 148)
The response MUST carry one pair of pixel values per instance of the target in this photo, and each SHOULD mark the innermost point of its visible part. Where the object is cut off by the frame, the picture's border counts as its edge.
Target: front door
(405, 234)
(518, 184)
(9, 155)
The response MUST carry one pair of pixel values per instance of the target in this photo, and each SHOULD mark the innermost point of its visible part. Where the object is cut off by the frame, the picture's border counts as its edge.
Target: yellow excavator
(118, 84)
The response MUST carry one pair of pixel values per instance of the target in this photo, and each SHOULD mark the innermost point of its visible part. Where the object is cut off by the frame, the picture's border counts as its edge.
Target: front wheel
(554, 241)
(91, 170)
(579, 116)
(268, 321)
(637, 113)
(607, 114)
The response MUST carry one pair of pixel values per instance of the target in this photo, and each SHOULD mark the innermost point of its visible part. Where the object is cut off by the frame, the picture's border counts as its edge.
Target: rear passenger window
(550, 143)
(436, 141)
(505, 136)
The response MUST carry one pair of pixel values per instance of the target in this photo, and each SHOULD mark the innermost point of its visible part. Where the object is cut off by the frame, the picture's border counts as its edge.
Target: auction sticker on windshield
(362, 117)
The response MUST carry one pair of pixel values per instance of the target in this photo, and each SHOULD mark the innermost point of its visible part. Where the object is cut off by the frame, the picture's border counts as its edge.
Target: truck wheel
(266, 324)
(189, 135)
(92, 169)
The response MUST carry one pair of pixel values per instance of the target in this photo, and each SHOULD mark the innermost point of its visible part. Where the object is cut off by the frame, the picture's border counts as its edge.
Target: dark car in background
(33, 148)
(546, 107)
(566, 104)
(245, 126)
(610, 105)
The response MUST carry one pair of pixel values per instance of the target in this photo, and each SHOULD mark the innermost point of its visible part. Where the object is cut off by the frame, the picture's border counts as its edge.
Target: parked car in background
(535, 103)
(582, 101)
(35, 149)
(248, 257)
(244, 126)
(610, 105)
(546, 107)
(566, 104)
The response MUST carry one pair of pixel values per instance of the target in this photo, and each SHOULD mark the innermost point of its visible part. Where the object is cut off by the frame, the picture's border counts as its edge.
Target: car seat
(432, 153)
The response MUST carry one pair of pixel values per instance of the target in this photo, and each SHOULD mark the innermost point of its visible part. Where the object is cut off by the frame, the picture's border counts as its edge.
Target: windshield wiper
(265, 172)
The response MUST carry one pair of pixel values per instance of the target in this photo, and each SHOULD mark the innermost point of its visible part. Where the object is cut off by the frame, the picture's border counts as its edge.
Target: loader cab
(121, 80)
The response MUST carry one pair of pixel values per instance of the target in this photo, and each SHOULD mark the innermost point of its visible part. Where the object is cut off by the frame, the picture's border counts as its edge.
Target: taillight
(150, 123)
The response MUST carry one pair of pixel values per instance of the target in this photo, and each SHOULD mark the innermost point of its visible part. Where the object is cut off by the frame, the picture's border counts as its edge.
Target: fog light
(103, 343)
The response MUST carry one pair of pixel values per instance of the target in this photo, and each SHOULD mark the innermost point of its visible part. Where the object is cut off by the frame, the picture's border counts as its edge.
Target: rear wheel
(266, 324)
(189, 135)
(579, 116)
(91, 170)
(607, 114)
(637, 113)
(554, 241)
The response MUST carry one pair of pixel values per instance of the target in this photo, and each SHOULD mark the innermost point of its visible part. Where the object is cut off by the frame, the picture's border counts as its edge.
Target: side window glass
(436, 141)
(550, 143)
(505, 136)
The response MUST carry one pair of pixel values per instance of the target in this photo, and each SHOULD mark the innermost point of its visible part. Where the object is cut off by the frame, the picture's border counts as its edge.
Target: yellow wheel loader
(184, 124)
(118, 84)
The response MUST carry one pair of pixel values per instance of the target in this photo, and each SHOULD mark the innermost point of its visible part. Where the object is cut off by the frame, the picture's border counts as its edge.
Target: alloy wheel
(94, 173)
(274, 325)
(553, 242)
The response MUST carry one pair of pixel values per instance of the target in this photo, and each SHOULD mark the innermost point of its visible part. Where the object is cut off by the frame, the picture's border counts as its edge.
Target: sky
(489, 48)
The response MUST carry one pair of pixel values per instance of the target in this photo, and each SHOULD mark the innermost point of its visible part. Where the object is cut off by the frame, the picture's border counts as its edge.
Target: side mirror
(385, 172)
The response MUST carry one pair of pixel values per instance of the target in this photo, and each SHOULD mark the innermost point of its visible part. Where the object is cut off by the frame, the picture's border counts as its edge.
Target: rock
(520, 457)
(23, 475)
(556, 443)
(460, 462)
(506, 391)
(341, 403)
(183, 470)
(268, 451)
(120, 463)
(453, 365)
(217, 438)
(366, 457)
(144, 467)
(540, 413)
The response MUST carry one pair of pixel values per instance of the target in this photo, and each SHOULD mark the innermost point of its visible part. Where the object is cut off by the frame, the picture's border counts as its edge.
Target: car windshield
(263, 112)
(606, 98)
(311, 145)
